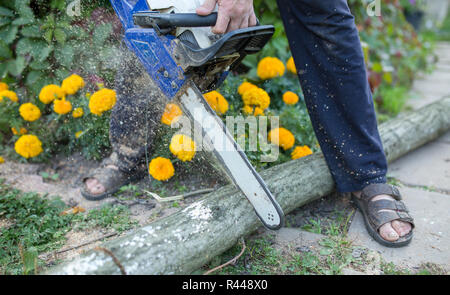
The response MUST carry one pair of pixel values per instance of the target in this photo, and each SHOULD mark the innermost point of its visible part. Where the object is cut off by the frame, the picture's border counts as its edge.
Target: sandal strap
(382, 217)
(377, 189)
(378, 205)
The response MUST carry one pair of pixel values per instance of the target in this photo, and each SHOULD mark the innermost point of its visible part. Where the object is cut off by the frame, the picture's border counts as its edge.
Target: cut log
(187, 240)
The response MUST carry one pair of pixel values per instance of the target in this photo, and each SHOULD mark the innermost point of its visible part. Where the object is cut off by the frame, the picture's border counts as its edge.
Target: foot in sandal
(104, 181)
(386, 217)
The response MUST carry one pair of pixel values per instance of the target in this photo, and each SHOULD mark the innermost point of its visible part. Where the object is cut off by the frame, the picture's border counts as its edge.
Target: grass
(35, 225)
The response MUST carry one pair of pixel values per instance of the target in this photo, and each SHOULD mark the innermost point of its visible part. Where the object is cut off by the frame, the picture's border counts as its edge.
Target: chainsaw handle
(174, 20)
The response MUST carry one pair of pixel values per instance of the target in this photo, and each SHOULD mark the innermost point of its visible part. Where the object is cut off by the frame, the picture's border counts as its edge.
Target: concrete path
(424, 180)
(423, 177)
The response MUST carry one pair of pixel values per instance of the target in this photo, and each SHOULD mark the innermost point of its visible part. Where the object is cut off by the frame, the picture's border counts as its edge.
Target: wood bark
(188, 239)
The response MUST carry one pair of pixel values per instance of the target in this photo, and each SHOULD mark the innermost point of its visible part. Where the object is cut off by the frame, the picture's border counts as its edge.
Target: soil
(144, 209)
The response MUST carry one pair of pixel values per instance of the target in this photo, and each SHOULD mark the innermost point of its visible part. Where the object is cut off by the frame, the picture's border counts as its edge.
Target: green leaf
(22, 21)
(4, 21)
(16, 67)
(64, 55)
(30, 260)
(37, 65)
(60, 36)
(33, 77)
(101, 33)
(8, 34)
(48, 36)
(6, 12)
(31, 31)
(5, 52)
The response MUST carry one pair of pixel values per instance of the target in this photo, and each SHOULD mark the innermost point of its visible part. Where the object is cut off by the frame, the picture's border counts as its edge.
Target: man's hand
(232, 14)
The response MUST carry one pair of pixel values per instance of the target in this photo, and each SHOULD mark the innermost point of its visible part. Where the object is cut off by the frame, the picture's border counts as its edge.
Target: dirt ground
(144, 209)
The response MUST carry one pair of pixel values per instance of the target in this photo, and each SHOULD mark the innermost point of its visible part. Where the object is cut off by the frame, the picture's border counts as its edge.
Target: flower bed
(45, 109)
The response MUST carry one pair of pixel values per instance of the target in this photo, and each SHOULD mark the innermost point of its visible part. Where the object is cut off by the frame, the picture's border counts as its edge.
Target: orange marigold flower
(270, 67)
(102, 101)
(62, 106)
(183, 147)
(290, 65)
(161, 169)
(22, 131)
(50, 92)
(3, 86)
(8, 94)
(28, 146)
(245, 86)
(255, 111)
(282, 137)
(72, 84)
(256, 97)
(290, 98)
(77, 113)
(29, 112)
(171, 113)
(217, 102)
(300, 152)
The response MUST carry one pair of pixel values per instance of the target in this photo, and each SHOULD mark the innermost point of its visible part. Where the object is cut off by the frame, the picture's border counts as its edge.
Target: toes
(94, 186)
(402, 228)
(388, 233)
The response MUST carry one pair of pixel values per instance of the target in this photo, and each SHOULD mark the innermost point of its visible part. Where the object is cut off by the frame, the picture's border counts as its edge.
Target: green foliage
(36, 225)
(37, 51)
(108, 216)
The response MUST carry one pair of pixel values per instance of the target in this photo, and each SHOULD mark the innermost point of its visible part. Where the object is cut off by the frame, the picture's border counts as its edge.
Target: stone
(431, 242)
(427, 166)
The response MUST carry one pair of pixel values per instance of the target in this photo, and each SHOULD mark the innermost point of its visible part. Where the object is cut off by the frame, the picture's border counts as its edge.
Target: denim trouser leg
(326, 48)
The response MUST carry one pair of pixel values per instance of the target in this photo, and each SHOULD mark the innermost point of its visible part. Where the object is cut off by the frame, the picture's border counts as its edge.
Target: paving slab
(295, 238)
(427, 166)
(444, 138)
(431, 242)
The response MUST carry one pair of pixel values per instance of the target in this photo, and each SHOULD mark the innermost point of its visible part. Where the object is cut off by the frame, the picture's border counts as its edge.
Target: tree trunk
(188, 239)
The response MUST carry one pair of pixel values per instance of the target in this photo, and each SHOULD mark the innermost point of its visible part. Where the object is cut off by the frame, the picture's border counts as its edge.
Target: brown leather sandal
(112, 179)
(375, 217)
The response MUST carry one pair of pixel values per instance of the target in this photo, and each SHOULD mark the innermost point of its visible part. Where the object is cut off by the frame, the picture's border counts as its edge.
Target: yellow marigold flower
(161, 169)
(256, 97)
(29, 112)
(290, 65)
(77, 113)
(72, 84)
(183, 147)
(28, 146)
(2, 160)
(282, 137)
(217, 102)
(245, 87)
(8, 94)
(3, 86)
(290, 98)
(50, 92)
(255, 111)
(22, 131)
(270, 67)
(78, 134)
(171, 113)
(62, 106)
(300, 152)
(102, 101)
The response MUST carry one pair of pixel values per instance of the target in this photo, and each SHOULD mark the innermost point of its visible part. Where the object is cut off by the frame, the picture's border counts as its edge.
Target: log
(190, 238)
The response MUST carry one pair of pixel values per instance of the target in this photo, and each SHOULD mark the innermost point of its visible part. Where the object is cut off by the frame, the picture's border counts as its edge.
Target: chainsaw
(184, 68)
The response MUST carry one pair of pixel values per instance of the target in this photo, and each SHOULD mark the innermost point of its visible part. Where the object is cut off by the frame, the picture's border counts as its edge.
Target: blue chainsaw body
(153, 50)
